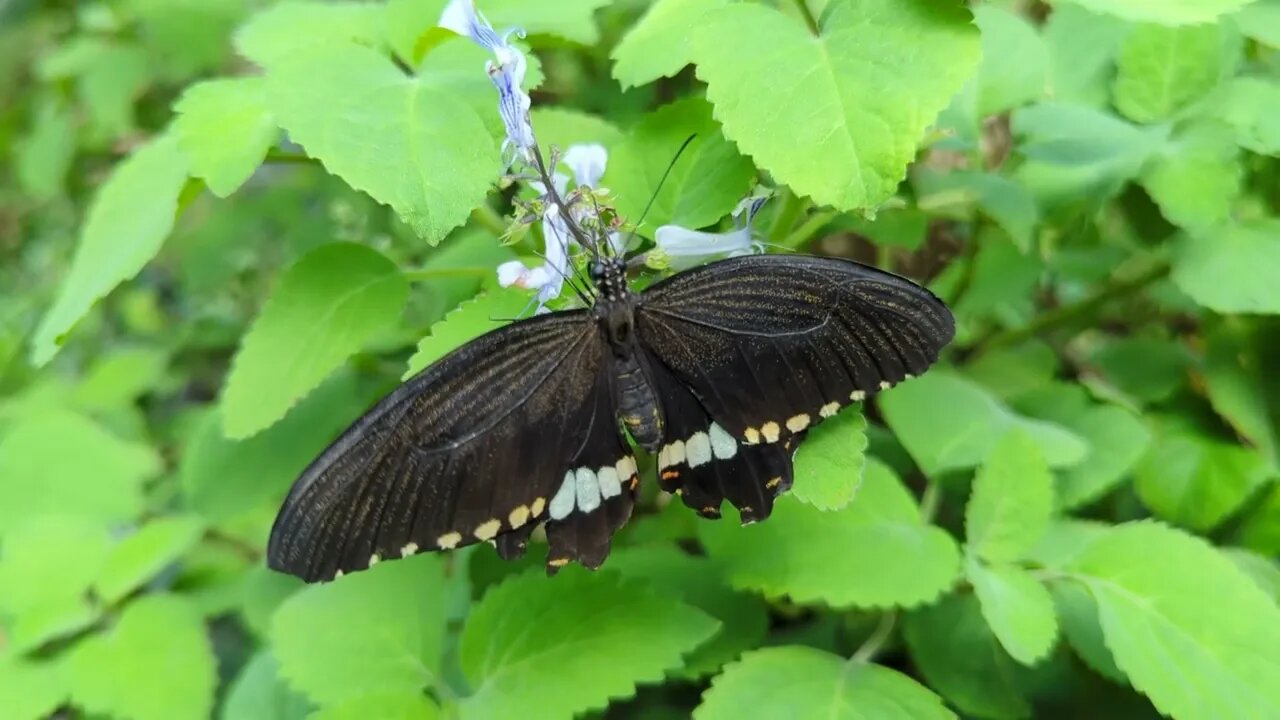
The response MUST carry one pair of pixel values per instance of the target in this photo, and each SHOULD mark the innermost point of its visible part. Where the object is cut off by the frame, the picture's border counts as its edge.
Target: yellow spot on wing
(752, 436)
(409, 549)
(829, 409)
(798, 422)
(537, 507)
(489, 529)
(519, 516)
(773, 483)
(771, 431)
(449, 541)
(558, 562)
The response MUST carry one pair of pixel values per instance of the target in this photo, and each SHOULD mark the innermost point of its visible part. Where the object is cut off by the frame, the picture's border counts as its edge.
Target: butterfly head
(610, 276)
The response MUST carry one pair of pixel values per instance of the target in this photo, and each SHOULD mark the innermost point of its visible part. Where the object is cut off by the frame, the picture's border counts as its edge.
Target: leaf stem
(930, 500)
(807, 229)
(807, 14)
(1067, 314)
(875, 643)
(789, 212)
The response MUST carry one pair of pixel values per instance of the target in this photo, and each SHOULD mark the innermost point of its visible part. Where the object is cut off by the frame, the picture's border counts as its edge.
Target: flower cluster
(563, 221)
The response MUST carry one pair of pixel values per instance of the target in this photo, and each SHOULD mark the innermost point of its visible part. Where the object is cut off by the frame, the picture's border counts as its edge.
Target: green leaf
(406, 141)
(120, 376)
(829, 464)
(887, 555)
(705, 183)
(158, 636)
(50, 559)
(451, 67)
(44, 155)
(531, 641)
(487, 312)
(1235, 375)
(1003, 277)
(1117, 441)
(1014, 60)
(1228, 269)
(699, 582)
(1163, 69)
(562, 127)
(288, 29)
(1017, 607)
(1189, 629)
(1262, 570)
(1261, 529)
(30, 690)
(225, 129)
(657, 46)
(975, 420)
(1260, 20)
(569, 19)
(1006, 202)
(145, 553)
(222, 478)
(186, 37)
(1148, 370)
(795, 681)
(1195, 480)
(262, 592)
(102, 479)
(1074, 135)
(1197, 178)
(387, 706)
(1168, 12)
(961, 658)
(379, 631)
(1078, 614)
(862, 93)
(258, 693)
(328, 306)
(1012, 500)
(129, 218)
(1082, 48)
(1247, 104)
(905, 228)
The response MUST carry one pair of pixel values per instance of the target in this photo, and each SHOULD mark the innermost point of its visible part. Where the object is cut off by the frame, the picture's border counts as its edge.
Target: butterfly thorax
(634, 395)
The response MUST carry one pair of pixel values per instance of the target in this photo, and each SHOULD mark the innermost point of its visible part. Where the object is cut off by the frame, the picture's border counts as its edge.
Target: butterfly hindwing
(770, 345)
(473, 448)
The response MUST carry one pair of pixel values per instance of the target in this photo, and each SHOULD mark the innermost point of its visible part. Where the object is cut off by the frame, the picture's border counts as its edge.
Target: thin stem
(1068, 314)
(788, 214)
(875, 643)
(421, 274)
(930, 501)
(807, 14)
(803, 234)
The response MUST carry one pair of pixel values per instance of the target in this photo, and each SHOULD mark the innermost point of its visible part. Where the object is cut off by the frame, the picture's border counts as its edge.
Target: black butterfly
(720, 370)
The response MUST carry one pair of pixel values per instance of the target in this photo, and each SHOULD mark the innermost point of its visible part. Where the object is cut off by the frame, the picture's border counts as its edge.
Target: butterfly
(719, 371)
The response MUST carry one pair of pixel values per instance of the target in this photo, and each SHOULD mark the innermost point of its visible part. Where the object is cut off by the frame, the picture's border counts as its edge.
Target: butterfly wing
(475, 447)
(767, 346)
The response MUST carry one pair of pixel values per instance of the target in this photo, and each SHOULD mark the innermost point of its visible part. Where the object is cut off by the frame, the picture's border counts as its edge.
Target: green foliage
(228, 227)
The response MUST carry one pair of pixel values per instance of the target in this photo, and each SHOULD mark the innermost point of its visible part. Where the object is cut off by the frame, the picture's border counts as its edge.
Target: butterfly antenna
(653, 198)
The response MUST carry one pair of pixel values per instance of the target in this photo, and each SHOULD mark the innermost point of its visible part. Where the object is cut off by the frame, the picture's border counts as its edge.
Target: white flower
(685, 248)
(587, 162)
(507, 74)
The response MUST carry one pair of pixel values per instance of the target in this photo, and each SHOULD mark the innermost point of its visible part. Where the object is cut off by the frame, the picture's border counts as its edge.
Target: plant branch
(1067, 314)
(807, 14)
(875, 643)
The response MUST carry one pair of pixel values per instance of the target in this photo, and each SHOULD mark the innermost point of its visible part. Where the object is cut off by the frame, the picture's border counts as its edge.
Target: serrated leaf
(1262, 570)
(286, 29)
(326, 307)
(704, 184)
(485, 313)
(1117, 441)
(1162, 69)
(1228, 269)
(1078, 614)
(958, 655)
(530, 642)
(863, 91)
(406, 141)
(1017, 607)
(1190, 630)
(1196, 480)
(129, 218)
(48, 559)
(225, 128)
(222, 478)
(1082, 48)
(975, 420)
(1168, 12)
(258, 693)
(1197, 178)
(1246, 104)
(882, 552)
(31, 689)
(138, 557)
(262, 592)
(829, 464)
(562, 127)
(657, 46)
(102, 479)
(794, 681)
(1003, 82)
(1064, 540)
(385, 706)
(158, 636)
(699, 582)
(380, 631)
(1012, 500)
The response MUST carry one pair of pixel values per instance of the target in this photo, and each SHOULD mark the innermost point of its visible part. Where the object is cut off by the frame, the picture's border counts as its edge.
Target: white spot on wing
(374, 559)
(626, 467)
(565, 498)
(829, 409)
(409, 549)
(671, 454)
(796, 423)
(449, 541)
(588, 488)
(698, 449)
(857, 396)
(610, 485)
(537, 507)
(722, 443)
(770, 431)
(884, 384)
(488, 530)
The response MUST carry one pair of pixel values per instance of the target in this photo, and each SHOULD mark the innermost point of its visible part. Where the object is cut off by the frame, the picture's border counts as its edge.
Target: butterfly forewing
(773, 344)
(473, 448)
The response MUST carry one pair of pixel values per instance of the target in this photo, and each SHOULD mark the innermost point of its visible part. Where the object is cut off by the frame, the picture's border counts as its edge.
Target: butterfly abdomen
(638, 408)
